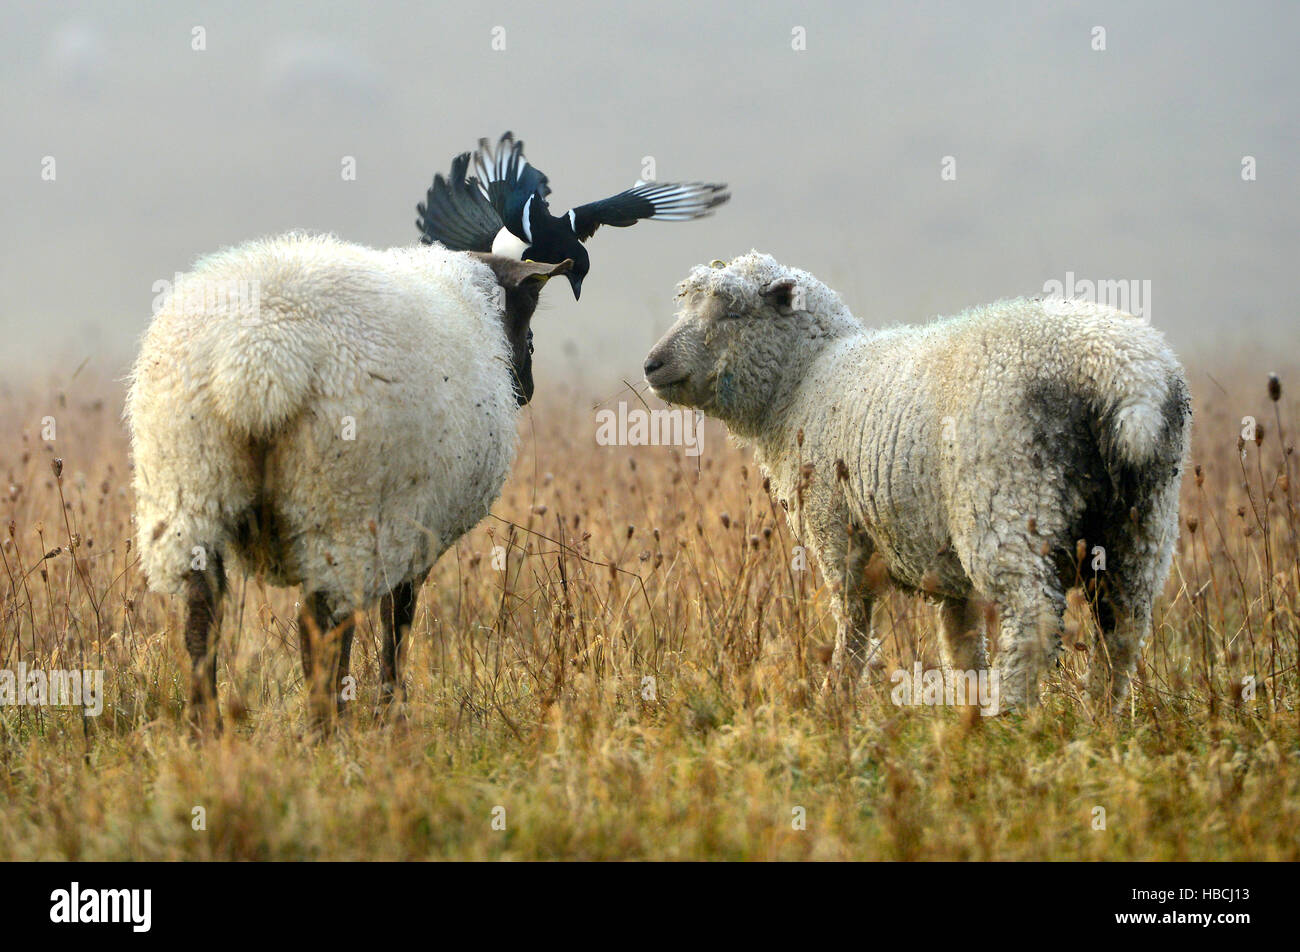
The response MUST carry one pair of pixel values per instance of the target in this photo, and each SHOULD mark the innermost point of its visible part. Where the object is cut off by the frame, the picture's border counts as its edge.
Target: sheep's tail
(262, 374)
(1147, 416)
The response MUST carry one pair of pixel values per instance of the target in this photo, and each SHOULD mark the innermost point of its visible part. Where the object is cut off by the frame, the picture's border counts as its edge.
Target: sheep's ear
(541, 270)
(564, 267)
(511, 272)
(781, 293)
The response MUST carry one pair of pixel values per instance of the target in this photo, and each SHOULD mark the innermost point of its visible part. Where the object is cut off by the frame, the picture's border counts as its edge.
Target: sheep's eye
(732, 316)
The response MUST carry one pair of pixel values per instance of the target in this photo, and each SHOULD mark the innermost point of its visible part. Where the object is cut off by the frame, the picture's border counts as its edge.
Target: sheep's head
(741, 336)
(521, 283)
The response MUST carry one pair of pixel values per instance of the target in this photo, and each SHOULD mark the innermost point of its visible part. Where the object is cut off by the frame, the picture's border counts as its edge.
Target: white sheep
(973, 459)
(324, 414)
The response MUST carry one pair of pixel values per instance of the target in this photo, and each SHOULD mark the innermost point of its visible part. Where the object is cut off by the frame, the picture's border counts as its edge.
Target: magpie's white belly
(507, 245)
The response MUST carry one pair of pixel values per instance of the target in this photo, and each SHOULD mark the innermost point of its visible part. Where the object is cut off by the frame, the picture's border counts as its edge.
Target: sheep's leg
(961, 637)
(397, 611)
(1124, 617)
(320, 640)
(1029, 632)
(1141, 544)
(1010, 555)
(204, 590)
(844, 560)
(855, 648)
(305, 623)
(345, 661)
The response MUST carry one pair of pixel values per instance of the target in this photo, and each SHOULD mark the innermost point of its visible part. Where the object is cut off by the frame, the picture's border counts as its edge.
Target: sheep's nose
(652, 363)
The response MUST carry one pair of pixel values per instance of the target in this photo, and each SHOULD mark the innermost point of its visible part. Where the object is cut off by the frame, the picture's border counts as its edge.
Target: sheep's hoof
(204, 722)
(1017, 708)
(319, 729)
(839, 681)
(322, 721)
(204, 732)
(876, 672)
(391, 708)
(1109, 696)
(1110, 705)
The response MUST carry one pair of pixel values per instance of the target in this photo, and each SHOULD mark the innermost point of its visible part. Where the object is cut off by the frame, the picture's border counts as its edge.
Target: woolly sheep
(324, 414)
(972, 459)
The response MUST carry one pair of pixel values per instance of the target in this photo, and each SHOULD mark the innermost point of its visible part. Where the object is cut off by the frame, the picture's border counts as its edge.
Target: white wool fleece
(970, 455)
(321, 412)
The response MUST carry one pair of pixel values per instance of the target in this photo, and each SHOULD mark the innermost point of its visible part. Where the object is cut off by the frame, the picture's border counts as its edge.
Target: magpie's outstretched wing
(456, 213)
(661, 201)
(509, 181)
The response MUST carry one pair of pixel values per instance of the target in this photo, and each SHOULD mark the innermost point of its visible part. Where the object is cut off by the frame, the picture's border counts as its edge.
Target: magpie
(501, 207)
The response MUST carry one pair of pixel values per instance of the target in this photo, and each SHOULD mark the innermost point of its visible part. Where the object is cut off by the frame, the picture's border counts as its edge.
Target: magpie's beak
(576, 281)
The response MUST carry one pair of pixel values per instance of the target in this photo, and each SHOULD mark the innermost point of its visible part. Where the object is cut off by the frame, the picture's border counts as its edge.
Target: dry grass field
(641, 681)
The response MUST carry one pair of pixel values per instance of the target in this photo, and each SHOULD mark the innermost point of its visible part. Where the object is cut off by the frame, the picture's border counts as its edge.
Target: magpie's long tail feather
(661, 201)
(679, 201)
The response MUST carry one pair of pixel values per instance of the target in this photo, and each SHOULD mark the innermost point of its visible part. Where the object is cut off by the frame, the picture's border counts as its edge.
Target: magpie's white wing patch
(509, 182)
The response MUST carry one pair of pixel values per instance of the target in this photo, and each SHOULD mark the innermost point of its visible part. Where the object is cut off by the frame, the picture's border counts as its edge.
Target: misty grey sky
(1117, 164)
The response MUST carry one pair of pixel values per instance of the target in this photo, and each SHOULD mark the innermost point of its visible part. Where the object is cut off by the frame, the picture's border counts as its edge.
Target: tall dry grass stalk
(639, 678)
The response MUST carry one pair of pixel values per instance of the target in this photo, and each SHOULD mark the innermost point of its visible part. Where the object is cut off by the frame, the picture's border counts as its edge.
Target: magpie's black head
(521, 282)
(581, 265)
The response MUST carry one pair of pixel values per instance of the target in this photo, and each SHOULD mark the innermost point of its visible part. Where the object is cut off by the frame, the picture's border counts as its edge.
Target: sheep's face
(521, 282)
(726, 352)
(521, 302)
